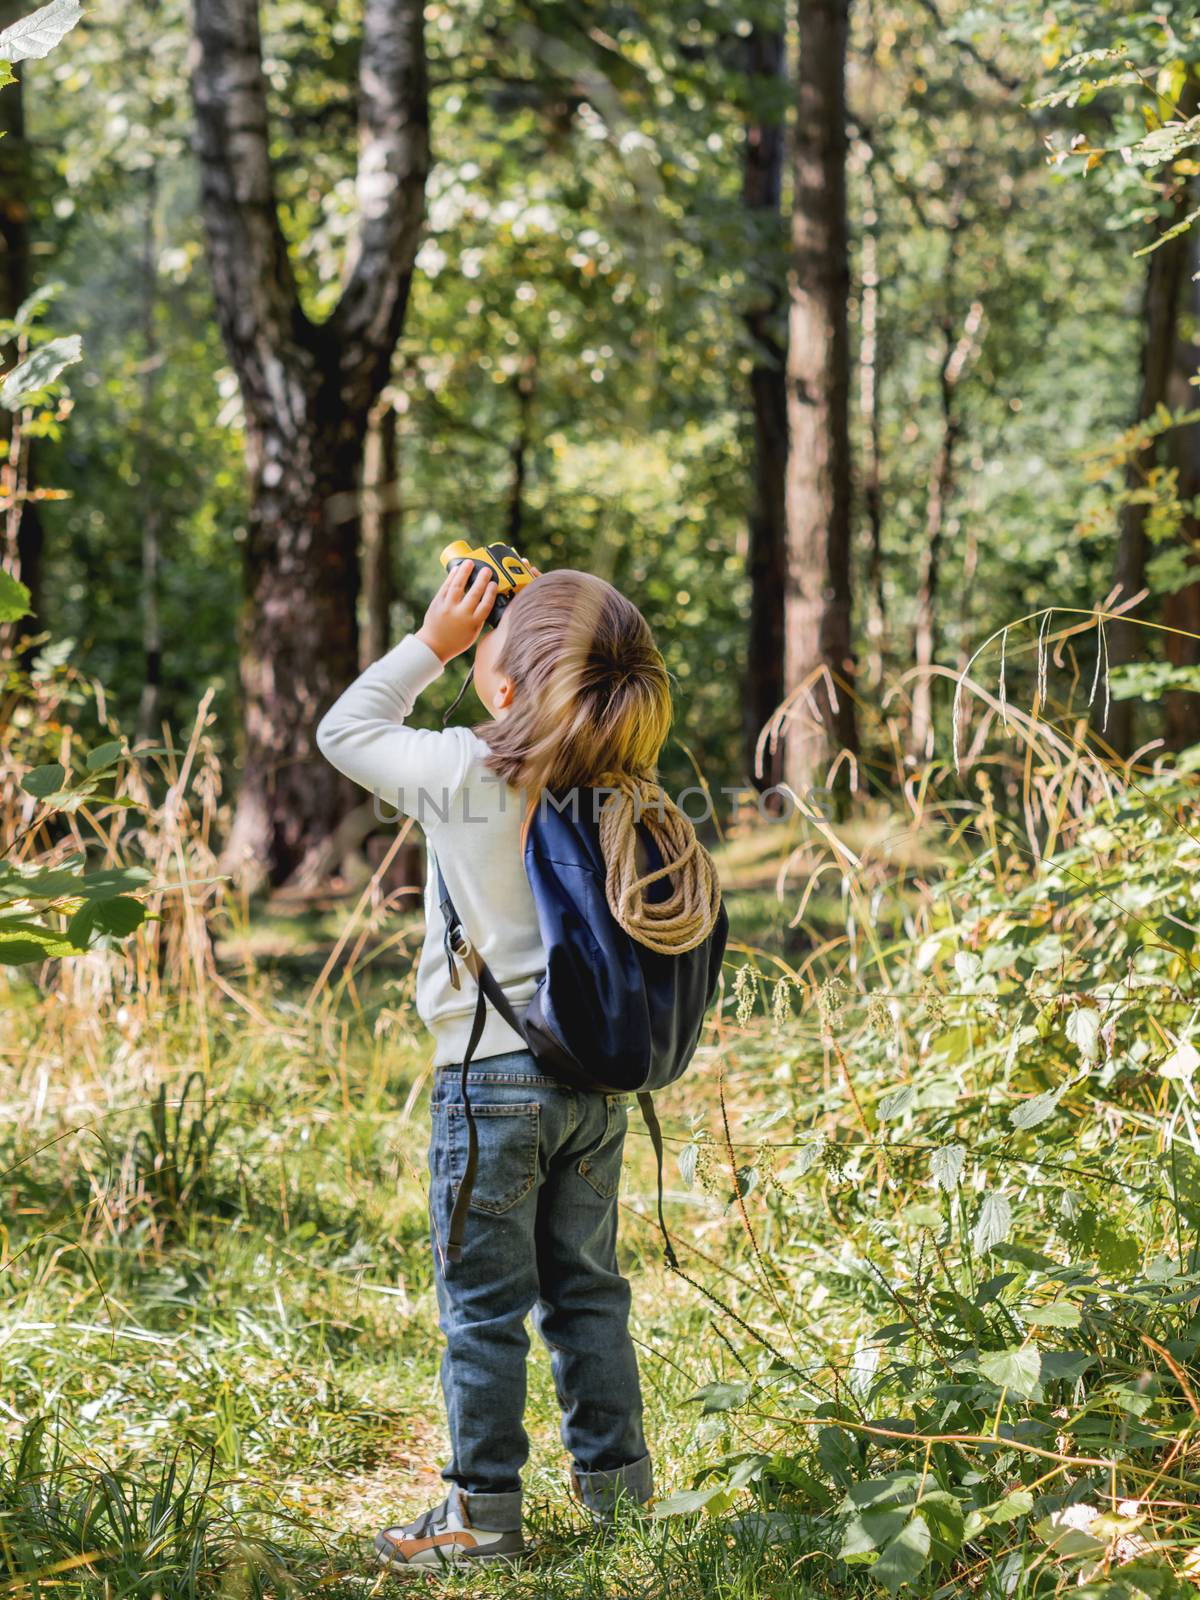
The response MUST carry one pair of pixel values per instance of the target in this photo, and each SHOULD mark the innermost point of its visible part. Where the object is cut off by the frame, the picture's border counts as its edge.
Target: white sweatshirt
(472, 822)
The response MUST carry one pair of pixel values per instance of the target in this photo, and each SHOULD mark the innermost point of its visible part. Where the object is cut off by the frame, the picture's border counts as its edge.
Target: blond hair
(592, 701)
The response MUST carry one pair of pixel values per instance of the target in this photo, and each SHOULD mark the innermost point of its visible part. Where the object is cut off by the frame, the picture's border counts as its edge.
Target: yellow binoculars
(511, 571)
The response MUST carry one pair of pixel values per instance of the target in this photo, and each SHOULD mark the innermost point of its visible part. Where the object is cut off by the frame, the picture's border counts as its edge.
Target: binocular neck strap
(457, 701)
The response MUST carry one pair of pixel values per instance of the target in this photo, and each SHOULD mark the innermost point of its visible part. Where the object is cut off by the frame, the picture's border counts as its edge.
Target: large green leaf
(721, 1396)
(946, 1165)
(38, 883)
(1018, 1370)
(992, 1224)
(840, 1454)
(878, 1491)
(1017, 1503)
(687, 1500)
(34, 36)
(39, 369)
(118, 916)
(106, 882)
(1058, 1314)
(946, 1519)
(903, 1558)
(896, 1102)
(24, 942)
(1037, 1109)
(1083, 1030)
(45, 780)
(68, 882)
(871, 1530)
(103, 755)
(14, 598)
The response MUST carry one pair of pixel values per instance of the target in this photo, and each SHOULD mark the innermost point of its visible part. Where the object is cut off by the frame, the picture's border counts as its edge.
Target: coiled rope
(686, 917)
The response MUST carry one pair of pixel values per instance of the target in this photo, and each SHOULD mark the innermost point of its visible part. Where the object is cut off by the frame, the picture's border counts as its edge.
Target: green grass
(244, 1329)
(935, 1182)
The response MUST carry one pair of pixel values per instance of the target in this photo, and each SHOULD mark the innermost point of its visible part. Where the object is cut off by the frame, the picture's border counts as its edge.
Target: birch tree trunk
(307, 391)
(818, 656)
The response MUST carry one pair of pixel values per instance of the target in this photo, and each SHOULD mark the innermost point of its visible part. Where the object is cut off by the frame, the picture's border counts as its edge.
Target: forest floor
(219, 1295)
(934, 1180)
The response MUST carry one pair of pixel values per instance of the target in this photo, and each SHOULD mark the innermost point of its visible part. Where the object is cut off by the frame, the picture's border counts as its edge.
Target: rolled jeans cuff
(601, 1492)
(490, 1513)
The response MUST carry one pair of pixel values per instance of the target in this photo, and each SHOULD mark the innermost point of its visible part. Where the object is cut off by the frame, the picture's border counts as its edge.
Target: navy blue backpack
(609, 1015)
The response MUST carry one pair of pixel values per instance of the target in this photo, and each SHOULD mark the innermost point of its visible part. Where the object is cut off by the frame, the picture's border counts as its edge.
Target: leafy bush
(53, 904)
(972, 1350)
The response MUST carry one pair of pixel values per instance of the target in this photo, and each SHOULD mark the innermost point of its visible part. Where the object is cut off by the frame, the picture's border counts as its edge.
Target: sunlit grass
(218, 1331)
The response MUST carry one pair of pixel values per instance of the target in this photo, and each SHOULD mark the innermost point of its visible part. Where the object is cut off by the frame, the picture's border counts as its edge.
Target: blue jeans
(541, 1236)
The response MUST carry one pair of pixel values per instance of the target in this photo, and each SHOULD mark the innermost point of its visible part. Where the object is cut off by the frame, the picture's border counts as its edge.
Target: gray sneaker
(443, 1536)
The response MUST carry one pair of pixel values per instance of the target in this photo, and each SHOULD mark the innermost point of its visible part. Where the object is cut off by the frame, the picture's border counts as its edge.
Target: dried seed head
(935, 1005)
(829, 1003)
(708, 1168)
(781, 1003)
(745, 990)
(879, 1016)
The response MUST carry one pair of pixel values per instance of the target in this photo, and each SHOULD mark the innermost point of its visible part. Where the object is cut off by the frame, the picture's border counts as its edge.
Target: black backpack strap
(454, 940)
(457, 944)
(654, 1129)
(462, 1200)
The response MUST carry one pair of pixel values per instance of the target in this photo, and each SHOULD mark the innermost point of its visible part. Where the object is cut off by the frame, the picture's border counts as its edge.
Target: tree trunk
(307, 392)
(869, 373)
(766, 562)
(1182, 610)
(148, 705)
(818, 655)
(524, 386)
(1164, 276)
(957, 352)
(23, 557)
(299, 638)
(380, 522)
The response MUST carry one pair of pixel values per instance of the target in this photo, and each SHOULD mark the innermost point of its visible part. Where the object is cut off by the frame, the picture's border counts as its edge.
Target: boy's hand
(458, 611)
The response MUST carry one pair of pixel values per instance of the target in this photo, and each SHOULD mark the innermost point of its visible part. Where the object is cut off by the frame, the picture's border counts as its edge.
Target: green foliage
(1150, 680)
(35, 35)
(14, 598)
(97, 903)
(29, 381)
(576, 349)
(1006, 1363)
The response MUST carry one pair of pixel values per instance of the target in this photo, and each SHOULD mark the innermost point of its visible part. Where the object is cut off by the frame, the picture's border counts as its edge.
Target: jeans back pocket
(600, 1169)
(508, 1151)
